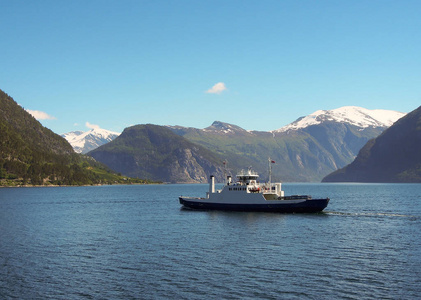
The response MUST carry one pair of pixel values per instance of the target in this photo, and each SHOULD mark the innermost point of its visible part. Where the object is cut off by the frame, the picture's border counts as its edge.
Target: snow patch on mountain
(357, 116)
(83, 142)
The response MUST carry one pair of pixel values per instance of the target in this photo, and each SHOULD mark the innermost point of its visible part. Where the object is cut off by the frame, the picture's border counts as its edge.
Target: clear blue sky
(121, 63)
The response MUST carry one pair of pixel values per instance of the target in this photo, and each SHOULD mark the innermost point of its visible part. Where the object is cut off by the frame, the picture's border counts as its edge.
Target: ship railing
(249, 172)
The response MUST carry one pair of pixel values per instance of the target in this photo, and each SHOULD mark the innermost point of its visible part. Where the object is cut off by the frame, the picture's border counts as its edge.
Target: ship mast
(225, 172)
(270, 172)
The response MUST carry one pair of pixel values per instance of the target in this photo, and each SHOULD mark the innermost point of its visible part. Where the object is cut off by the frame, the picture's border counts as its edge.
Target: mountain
(29, 150)
(394, 156)
(83, 142)
(305, 150)
(351, 115)
(32, 154)
(241, 148)
(21, 131)
(155, 152)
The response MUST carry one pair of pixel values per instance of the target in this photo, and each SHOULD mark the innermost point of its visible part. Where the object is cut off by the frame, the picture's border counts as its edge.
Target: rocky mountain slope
(83, 142)
(155, 152)
(394, 156)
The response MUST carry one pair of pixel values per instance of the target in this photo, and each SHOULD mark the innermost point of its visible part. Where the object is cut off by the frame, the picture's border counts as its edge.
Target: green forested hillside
(33, 154)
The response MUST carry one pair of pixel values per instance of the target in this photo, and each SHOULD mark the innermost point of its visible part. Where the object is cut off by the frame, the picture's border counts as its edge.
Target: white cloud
(92, 126)
(217, 88)
(40, 115)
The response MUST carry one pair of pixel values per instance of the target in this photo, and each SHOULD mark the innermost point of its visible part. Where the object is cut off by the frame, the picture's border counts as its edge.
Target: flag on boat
(272, 161)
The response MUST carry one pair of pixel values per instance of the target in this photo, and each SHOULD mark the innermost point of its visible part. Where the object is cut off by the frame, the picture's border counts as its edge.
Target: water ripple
(135, 242)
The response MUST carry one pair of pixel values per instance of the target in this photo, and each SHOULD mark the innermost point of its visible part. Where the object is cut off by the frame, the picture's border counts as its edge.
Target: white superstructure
(246, 189)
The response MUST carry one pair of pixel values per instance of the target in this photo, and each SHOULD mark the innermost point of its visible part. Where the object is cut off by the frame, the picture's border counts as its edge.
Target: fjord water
(135, 242)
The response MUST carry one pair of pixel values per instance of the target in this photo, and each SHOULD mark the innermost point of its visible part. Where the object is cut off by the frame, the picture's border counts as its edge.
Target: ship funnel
(212, 185)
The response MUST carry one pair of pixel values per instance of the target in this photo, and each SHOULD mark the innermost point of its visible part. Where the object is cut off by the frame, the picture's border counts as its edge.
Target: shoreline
(82, 185)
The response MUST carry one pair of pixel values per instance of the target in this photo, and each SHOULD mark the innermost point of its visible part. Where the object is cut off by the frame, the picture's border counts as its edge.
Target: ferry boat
(247, 194)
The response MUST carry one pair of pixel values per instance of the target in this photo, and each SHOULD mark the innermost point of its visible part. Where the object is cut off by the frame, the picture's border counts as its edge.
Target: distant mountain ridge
(302, 153)
(83, 142)
(394, 156)
(352, 115)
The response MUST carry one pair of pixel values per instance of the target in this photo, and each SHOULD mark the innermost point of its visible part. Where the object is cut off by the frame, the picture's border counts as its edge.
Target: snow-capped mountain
(72, 135)
(83, 142)
(353, 115)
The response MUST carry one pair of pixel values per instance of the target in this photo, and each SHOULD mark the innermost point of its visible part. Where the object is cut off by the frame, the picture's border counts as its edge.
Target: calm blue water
(134, 242)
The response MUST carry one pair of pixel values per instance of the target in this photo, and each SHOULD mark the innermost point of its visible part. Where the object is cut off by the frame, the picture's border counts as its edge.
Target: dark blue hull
(308, 206)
